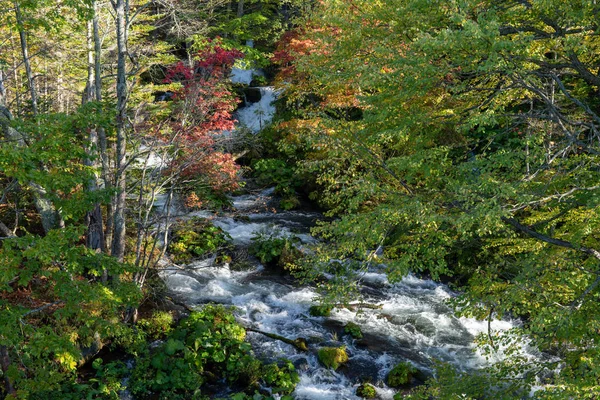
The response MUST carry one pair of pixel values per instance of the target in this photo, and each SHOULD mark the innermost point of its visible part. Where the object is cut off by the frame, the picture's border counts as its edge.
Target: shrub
(274, 250)
(333, 357)
(207, 346)
(320, 311)
(401, 374)
(158, 325)
(353, 330)
(196, 237)
(274, 171)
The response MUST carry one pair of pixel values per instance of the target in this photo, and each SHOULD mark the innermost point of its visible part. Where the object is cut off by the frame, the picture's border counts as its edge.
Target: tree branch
(550, 240)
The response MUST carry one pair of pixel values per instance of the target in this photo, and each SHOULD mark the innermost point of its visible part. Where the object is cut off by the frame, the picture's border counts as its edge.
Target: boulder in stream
(366, 391)
(333, 357)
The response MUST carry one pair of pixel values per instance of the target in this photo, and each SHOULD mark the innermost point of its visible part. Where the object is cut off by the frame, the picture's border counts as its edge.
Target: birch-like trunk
(25, 53)
(121, 8)
(95, 226)
(2, 89)
(102, 144)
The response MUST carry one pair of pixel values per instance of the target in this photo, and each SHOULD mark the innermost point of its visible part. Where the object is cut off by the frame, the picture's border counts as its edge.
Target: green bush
(353, 330)
(209, 345)
(196, 237)
(277, 172)
(401, 374)
(273, 250)
(158, 325)
(333, 357)
(366, 391)
(320, 311)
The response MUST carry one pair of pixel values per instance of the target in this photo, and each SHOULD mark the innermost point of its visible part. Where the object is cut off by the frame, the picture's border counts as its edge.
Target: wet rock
(301, 364)
(362, 369)
(252, 94)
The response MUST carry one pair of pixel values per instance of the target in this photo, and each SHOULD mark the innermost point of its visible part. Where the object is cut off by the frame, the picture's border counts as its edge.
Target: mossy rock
(353, 330)
(401, 375)
(333, 357)
(366, 391)
(320, 311)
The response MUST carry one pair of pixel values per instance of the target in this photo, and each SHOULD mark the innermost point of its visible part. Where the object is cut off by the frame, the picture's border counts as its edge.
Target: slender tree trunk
(5, 364)
(16, 81)
(102, 144)
(2, 89)
(118, 241)
(25, 52)
(60, 96)
(95, 226)
(240, 9)
(89, 92)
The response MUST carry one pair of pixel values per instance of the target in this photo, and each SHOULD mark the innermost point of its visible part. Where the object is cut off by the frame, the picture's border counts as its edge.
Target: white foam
(243, 76)
(258, 115)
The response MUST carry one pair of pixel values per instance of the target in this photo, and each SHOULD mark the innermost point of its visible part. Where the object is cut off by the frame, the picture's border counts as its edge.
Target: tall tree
(462, 139)
(121, 8)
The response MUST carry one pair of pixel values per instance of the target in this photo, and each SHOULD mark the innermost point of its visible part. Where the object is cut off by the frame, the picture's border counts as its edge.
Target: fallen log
(299, 343)
(353, 306)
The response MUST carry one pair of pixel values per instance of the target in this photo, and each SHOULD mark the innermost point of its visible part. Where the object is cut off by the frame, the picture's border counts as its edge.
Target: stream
(414, 323)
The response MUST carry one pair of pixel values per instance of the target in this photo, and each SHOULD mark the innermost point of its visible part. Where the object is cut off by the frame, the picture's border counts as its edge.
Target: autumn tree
(467, 148)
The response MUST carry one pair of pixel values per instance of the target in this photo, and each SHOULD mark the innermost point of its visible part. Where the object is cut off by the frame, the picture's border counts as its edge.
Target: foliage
(332, 357)
(273, 249)
(320, 310)
(196, 237)
(159, 325)
(474, 153)
(53, 307)
(272, 171)
(353, 330)
(401, 374)
(202, 109)
(208, 344)
(366, 391)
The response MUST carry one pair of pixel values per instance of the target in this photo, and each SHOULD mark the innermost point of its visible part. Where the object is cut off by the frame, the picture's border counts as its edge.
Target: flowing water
(414, 323)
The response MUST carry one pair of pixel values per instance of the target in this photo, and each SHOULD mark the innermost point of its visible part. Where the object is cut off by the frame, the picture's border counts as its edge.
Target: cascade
(413, 324)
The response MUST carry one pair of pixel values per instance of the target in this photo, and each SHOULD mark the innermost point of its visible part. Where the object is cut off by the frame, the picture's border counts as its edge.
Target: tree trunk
(121, 8)
(5, 364)
(2, 89)
(50, 217)
(25, 52)
(95, 226)
(240, 9)
(102, 144)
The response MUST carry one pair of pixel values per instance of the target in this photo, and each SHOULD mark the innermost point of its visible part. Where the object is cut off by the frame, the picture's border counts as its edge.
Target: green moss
(353, 330)
(332, 357)
(401, 374)
(366, 391)
(320, 311)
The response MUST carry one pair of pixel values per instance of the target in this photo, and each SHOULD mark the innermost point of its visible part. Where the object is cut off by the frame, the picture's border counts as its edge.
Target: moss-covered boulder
(366, 391)
(333, 357)
(401, 375)
(320, 311)
(353, 330)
